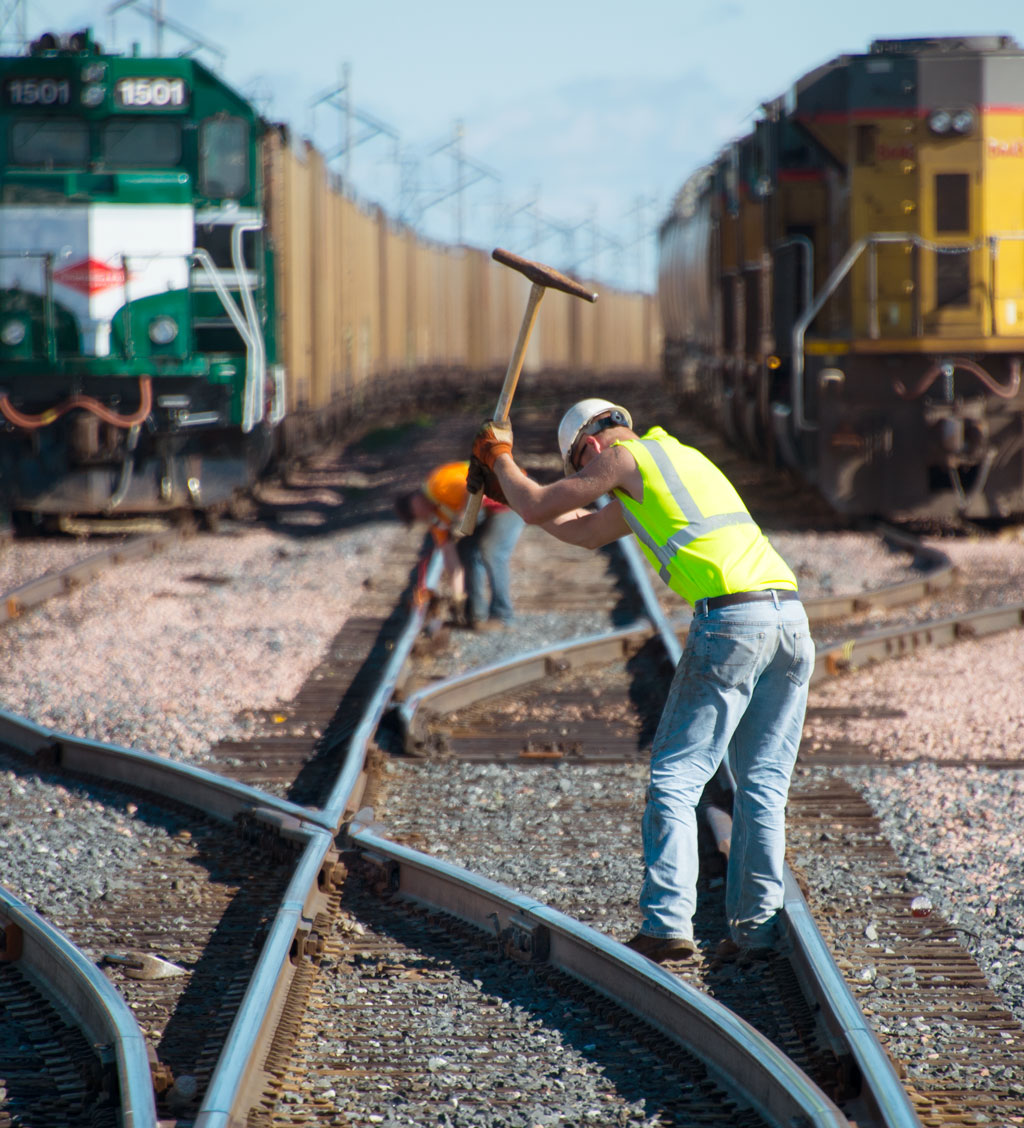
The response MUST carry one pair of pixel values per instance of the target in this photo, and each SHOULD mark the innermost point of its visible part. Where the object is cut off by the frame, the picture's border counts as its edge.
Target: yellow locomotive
(844, 287)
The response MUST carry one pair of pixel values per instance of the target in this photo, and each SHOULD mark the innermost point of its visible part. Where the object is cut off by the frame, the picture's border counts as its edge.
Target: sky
(577, 122)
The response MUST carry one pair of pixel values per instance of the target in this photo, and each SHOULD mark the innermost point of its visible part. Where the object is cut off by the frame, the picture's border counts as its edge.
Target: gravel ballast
(167, 654)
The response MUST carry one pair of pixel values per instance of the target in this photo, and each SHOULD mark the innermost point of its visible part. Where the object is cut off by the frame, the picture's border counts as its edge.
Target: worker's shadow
(650, 669)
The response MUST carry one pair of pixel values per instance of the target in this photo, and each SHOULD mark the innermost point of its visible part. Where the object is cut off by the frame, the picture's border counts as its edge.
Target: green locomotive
(137, 355)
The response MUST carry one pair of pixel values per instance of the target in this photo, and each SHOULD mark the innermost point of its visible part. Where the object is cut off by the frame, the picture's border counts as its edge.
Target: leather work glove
(491, 440)
(481, 480)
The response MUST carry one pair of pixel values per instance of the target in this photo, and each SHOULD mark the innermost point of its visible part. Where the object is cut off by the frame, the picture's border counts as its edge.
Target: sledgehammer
(543, 278)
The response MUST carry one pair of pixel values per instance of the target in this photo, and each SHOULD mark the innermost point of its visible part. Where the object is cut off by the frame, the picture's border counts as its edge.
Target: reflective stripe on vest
(734, 555)
(697, 524)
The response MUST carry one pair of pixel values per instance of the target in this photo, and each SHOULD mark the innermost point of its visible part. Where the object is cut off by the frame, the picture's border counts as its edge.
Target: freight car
(185, 293)
(843, 288)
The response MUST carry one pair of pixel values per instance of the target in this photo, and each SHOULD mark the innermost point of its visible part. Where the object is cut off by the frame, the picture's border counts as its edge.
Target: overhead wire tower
(13, 24)
(339, 98)
(466, 173)
(154, 11)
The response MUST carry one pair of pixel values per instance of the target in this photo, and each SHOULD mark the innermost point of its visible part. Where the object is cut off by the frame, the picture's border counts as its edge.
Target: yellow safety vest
(698, 536)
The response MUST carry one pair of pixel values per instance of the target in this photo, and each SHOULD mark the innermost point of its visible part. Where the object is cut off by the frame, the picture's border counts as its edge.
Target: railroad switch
(525, 940)
(307, 945)
(11, 941)
(333, 874)
(160, 1072)
(382, 875)
(142, 965)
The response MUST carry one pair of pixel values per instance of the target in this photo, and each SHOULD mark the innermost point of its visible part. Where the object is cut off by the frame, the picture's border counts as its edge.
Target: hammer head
(542, 275)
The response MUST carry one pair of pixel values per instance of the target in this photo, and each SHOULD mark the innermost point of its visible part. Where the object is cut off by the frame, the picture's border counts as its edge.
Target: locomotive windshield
(50, 143)
(124, 143)
(224, 158)
(134, 143)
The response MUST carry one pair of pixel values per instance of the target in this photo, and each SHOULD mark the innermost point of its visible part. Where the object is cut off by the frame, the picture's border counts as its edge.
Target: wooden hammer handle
(515, 366)
(542, 275)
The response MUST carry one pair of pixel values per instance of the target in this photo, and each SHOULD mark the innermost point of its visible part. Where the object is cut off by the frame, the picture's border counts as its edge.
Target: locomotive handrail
(843, 268)
(245, 330)
(247, 324)
(256, 357)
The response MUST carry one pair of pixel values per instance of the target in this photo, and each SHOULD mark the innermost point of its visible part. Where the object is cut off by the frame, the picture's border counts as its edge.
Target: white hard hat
(578, 418)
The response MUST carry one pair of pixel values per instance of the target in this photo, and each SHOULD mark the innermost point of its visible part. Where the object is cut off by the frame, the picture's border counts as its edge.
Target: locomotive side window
(224, 158)
(951, 211)
(49, 143)
(867, 138)
(952, 216)
(141, 144)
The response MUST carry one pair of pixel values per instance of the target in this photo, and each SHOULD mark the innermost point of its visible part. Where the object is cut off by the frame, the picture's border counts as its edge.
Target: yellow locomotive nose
(808, 290)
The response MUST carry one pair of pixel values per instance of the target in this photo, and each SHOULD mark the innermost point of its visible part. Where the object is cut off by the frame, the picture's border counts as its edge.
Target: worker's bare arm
(540, 505)
(590, 528)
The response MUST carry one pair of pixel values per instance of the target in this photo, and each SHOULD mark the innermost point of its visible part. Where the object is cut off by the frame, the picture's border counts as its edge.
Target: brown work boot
(662, 948)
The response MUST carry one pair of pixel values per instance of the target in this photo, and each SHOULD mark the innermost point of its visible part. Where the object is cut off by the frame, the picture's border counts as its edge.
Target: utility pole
(643, 230)
(340, 99)
(460, 181)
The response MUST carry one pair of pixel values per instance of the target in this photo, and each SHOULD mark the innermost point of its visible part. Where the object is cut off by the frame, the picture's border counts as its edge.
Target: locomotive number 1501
(151, 94)
(37, 92)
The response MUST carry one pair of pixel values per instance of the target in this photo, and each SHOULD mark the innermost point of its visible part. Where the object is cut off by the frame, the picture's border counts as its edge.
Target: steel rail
(881, 1089)
(20, 599)
(236, 1080)
(236, 1075)
(214, 795)
(884, 1094)
(67, 977)
(449, 694)
(734, 1053)
(344, 795)
(460, 690)
(897, 642)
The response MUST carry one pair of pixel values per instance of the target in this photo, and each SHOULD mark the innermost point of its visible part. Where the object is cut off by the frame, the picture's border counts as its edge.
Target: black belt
(783, 595)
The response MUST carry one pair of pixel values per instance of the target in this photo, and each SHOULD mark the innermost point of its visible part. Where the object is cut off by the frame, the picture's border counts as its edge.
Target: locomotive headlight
(12, 333)
(92, 96)
(963, 121)
(941, 121)
(163, 330)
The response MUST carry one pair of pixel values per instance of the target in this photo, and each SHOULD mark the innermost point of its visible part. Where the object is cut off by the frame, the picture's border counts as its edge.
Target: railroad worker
(474, 562)
(741, 685)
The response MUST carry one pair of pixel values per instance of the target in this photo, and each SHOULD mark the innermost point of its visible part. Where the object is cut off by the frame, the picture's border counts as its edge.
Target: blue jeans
(485, 555)
(740, 688)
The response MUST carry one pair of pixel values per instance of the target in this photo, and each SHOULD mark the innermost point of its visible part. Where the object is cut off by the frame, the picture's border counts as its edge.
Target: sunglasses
(600, 424)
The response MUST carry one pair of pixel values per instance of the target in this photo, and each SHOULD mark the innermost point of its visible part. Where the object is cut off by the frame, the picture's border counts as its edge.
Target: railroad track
(24, 596)
(345, 924)
(497, 715)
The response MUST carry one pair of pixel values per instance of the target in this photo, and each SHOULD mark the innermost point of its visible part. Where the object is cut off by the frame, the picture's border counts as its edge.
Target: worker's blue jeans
(485, 557)
(740, 687)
